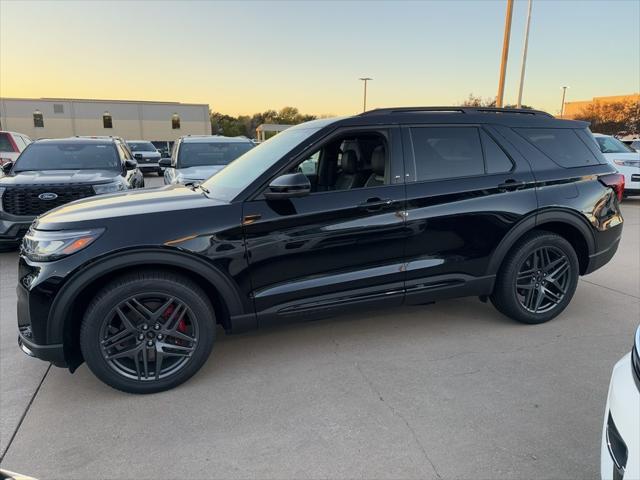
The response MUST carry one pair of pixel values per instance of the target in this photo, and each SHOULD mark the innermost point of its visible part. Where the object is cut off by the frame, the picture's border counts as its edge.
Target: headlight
(46, 246)
(108, 187)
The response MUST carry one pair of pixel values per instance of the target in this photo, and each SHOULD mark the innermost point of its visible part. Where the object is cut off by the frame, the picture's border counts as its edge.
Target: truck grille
(26, 201)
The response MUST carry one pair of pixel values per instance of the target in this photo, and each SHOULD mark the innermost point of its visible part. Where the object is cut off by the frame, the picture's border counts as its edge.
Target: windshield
(141, 146)
(68, 156)
(612, 145)
(233, 179)
(197, 154)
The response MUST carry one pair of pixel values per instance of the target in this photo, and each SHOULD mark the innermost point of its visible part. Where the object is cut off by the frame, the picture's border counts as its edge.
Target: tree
(611, 118)
(478, 102)
(229, 126)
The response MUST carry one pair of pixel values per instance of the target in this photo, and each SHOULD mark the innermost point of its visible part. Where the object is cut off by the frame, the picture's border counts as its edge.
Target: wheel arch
(73, 299)
(569, 224)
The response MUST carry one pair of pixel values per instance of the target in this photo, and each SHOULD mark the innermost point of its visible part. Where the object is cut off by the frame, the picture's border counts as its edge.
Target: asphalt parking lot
(451, 390)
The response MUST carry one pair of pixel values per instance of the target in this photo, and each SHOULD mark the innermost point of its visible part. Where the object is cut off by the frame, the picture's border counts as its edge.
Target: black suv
(391, 207)
(50, 173)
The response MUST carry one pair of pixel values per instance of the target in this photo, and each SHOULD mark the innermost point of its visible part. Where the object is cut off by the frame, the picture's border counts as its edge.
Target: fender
(537, 219)
(61, 308)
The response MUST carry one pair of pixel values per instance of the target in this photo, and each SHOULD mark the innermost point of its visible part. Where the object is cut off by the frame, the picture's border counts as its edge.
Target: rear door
(465, 191)
(341, 245)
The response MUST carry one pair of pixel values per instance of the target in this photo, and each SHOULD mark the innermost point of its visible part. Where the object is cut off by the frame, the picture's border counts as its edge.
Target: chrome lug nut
(150, 343)
(159, 336)
(145, 326)
(141, 337)
(156, 326)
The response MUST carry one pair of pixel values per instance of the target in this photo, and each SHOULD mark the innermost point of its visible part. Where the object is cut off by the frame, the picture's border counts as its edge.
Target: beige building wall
(131, 120)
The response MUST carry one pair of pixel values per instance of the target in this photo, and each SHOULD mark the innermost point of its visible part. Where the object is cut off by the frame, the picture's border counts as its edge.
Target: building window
(58, 108)
(107, 121)
(38, 119)
(175, 121)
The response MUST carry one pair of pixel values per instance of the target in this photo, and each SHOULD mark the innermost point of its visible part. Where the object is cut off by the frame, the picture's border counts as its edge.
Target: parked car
(624, 158)
(11, 145)
(163, 147)
(196, 158)
(147, 156)
(404, 206)
(620, 446)
(50, 173)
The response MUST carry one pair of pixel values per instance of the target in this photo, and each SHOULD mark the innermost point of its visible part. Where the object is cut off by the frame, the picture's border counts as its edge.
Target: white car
(624, 158)
(197, 157)
(147, 156)
(11, 145)
(620, 450)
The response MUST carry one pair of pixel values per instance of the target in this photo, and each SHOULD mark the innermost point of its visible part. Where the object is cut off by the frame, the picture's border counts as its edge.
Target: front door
(341, 244)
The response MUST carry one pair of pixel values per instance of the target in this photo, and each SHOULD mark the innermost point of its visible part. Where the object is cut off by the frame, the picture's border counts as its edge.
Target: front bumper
(48, 353)
(623, 405)
(13, 227)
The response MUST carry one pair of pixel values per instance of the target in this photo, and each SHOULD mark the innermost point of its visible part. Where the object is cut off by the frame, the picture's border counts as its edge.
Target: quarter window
(495, 159)
(446, 152)
(562, 145)
(38, 119)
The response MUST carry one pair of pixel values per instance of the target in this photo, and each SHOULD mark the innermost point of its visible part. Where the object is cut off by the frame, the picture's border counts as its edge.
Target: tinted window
(562, 145)
(495, 159)
(193, 154)
(446, 152)
(5, 143)
(69, 156)
(141, 146)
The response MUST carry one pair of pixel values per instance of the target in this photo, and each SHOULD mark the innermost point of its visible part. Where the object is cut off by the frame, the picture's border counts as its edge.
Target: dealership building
(131, 120)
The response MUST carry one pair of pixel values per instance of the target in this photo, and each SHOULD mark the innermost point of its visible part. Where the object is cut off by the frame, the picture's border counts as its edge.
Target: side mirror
(165, 163)
(137, 156)
(291, 185)
(130, 164)
(6, 167)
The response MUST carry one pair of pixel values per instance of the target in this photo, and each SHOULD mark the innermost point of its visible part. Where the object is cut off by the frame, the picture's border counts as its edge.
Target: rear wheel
(538, 278)
(147, 332)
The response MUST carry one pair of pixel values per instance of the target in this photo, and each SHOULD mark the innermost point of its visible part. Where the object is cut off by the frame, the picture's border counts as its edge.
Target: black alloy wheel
(148, 332)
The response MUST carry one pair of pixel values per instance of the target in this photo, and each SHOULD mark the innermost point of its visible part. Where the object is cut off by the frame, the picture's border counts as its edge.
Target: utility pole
(564, 93)
(524, 54)
(364, 103)
(505, 53)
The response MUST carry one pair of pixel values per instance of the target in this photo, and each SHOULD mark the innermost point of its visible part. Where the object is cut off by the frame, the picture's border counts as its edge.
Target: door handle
(510, 185)
(372, 204)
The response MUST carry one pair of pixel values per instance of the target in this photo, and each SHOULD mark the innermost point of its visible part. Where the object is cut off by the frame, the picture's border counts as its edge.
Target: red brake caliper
(182, 326)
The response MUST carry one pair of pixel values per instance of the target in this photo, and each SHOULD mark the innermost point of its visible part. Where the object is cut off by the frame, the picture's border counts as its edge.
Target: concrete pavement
(451, 390)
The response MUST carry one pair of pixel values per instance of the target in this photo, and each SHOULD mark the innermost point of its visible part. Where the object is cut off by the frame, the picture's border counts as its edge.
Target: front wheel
(147, 332)
(537, 279)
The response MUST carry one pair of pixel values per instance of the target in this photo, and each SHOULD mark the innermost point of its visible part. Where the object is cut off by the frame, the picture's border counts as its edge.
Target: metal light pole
(505, 52)
(564, 93)
(364, 103)
(524, 54)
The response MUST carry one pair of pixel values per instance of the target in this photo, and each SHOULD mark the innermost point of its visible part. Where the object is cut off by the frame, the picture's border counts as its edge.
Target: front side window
(107, 121)
(562, 145)
(38, 119)
(232, 180)
(68, 156)
(446, 152)
(195, 154)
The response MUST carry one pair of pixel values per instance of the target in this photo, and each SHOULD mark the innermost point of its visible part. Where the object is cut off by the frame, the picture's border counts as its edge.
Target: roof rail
(455, 109)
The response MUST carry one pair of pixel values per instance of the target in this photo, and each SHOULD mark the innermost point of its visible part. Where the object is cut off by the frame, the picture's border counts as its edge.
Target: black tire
(107, 307)
(521, 278)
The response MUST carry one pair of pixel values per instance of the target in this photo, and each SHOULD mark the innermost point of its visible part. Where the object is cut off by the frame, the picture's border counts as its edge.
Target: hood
(42, 177)
(198, 173)
(129, 203)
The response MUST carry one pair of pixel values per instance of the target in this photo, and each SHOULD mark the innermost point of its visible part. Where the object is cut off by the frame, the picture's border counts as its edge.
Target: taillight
(615, 181)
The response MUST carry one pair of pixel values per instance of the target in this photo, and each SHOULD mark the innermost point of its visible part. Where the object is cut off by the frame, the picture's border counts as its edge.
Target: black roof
(510, 117)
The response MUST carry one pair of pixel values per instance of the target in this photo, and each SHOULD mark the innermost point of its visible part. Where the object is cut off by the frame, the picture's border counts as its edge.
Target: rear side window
(496, 160)
(562, 145)
(446, 152)
(5, 143)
